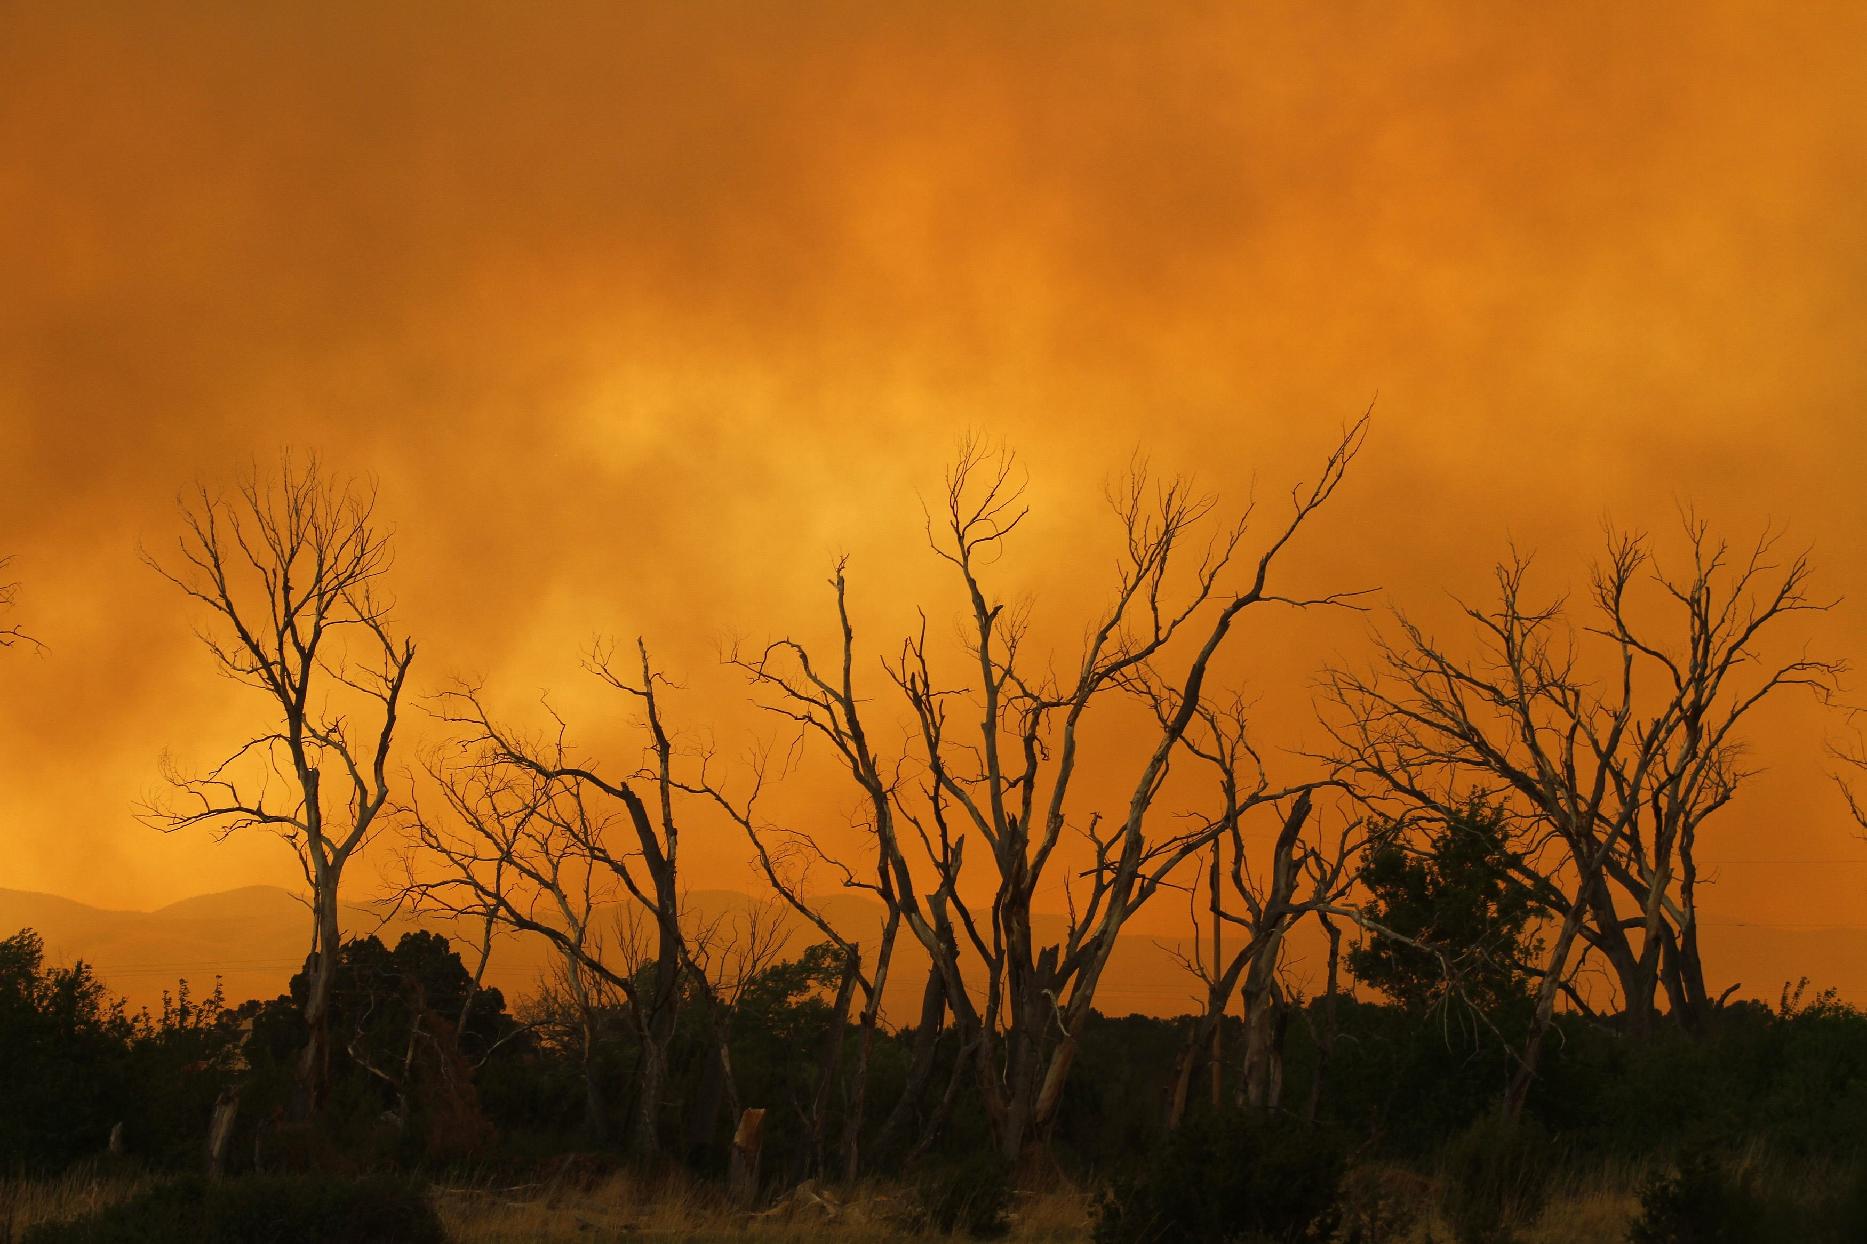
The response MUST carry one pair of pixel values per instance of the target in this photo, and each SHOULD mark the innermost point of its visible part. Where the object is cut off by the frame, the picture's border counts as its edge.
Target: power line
(1784, 859)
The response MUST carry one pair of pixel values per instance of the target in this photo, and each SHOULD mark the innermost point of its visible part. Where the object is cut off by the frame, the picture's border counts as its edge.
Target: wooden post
(742, 1177)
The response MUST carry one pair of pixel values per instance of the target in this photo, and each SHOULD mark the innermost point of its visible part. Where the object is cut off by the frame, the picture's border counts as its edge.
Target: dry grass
(74, 1194)
(1585, 1206)
(622, 1206)
(616, 1207)
(627, 1207)
(1601, 1206)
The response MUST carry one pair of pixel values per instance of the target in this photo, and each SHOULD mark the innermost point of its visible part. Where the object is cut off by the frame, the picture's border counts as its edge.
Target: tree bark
(314, 1061)
(742, 1176)
(220, 1131)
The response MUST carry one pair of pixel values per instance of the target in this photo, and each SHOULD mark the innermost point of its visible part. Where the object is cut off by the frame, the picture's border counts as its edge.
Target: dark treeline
(431, 1074)
(1498, 845)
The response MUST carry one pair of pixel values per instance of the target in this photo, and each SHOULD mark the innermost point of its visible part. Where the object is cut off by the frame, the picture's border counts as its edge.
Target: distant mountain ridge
(254, 939)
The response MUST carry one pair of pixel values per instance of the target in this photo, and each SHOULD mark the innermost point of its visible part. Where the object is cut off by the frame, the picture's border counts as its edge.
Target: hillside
(253, 938)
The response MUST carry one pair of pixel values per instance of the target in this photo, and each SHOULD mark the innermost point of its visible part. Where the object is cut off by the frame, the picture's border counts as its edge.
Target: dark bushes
(1228, 1177)
(972, 1196)
(1709, 1199)
(1497, 1175)
(1702, 1202)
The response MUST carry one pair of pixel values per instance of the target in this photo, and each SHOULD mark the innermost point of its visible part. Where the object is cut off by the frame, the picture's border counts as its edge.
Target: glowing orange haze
(640, 317)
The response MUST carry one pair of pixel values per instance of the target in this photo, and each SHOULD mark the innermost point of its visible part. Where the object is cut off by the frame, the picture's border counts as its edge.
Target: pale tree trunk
(748, 1140)
(314, 1060)
(220, 1131)
(1261, 1086)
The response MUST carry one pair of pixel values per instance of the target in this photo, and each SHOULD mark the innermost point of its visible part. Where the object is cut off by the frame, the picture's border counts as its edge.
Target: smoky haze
(640, 317)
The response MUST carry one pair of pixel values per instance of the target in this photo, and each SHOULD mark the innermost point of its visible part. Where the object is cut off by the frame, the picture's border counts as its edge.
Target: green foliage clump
(1457, 898)
(1497, 1176)
(61, 1042)
(1236, 1176)
(1699, 1202)
(75, 1061)
(972, 1196)
(259, 1209)
(1708, 1199)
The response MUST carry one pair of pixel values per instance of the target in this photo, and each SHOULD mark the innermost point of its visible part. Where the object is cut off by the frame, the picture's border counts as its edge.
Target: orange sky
(642, 315)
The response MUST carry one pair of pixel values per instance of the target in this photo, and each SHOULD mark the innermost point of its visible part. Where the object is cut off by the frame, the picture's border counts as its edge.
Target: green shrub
(1700, 1202)
(1497, 1176)
(259, 1209)
(1229, 1177)
(972, 1196)
(1845, 1217)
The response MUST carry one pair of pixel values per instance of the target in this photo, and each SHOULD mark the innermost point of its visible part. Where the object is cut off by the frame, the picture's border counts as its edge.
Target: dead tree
(1015, 794)
(825, 706)
(1005, 781)
(731, 951)
(500, 852)
(290, 573)
(629, 853)
(519, 846)
(1610, 744)
(1297, 877)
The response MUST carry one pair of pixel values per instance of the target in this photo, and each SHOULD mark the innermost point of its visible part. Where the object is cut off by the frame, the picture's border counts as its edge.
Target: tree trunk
(1183, 1075)
(656, 1027)
(742, 1175)
(1050, 1092)
(1325, 1045)
(1638, 980)
(1013, 1119)
(1265, 1020)
(314, 1060)
(595, 1111)
(651, 1076)
(1262, 1081)
(831, 1063)
(220, 1131)
(865, 1042)
(921, 1066)
(931, 1131)
(1696, 1002)
(1519, 1089)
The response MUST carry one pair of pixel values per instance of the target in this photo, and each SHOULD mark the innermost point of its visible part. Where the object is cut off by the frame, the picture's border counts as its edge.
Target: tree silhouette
(290, 573)
(997, 743)
(1609, 742)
